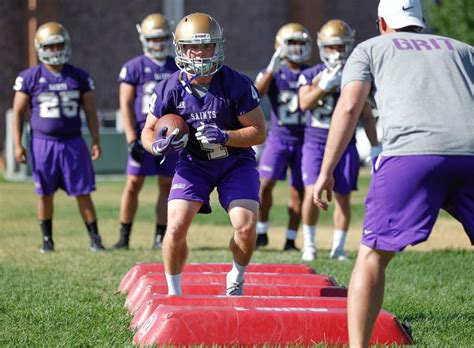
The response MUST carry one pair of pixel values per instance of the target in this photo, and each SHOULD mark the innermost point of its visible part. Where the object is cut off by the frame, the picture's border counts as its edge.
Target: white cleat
(339, 255)
(234, 288)
(309, 253)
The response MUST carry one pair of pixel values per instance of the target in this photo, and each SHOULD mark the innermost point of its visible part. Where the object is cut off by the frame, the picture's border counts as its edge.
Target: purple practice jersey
(319, 118)
(287, 120)
(229, 96)
(55, 100)
(143, 73)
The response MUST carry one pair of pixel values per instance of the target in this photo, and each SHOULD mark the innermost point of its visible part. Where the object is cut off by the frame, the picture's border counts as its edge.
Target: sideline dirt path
(448, 234)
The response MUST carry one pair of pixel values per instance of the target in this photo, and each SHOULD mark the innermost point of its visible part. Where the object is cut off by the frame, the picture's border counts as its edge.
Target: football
(172, 121)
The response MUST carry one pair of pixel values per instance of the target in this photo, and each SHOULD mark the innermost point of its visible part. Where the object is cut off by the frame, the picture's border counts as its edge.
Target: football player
(279, 80)
(318, 95)
(221, 107)
(137, 79)
(54, 92)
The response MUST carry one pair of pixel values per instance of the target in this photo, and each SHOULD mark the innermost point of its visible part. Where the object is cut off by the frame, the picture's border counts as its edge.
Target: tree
(453, 18)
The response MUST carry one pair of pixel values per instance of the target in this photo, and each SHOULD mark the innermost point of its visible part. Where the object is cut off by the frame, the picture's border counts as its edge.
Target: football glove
(136, 150)
(275, 62)
(330, 78)
(211, 134)
(164, 145)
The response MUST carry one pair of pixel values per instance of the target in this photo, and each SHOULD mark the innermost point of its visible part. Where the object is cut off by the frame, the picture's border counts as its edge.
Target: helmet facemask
(296, 50)
(56, 57)
(157, 50)
(335, 58)
(200, 66)
(335, 33)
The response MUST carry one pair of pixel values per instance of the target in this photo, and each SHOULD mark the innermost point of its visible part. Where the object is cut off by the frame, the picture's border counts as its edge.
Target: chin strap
(186, 83)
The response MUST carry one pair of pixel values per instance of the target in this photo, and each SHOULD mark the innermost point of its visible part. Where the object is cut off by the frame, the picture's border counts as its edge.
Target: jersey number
(148, 88)
(215, 151)
(52, 105)
(321, 116)
(288, 113)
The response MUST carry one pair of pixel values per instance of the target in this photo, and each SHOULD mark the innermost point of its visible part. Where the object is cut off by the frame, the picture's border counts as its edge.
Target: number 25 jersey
(55, 100)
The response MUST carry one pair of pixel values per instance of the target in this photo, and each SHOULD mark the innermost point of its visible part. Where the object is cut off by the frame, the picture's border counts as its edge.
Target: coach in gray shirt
(422, 86)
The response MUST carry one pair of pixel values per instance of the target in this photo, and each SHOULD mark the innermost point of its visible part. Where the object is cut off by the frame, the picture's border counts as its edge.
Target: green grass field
(67, 298)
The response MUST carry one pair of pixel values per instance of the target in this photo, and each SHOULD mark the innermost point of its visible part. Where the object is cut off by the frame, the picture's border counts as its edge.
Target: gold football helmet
(52, 33)
(199, 28)
(335, 32)
(155, 26)
(296, 53)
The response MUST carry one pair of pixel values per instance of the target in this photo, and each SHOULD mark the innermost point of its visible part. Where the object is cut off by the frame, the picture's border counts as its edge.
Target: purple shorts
(151, 165)
(277, 156)
(346, 172)
(406, 194)
(62, 164)
(235, 177)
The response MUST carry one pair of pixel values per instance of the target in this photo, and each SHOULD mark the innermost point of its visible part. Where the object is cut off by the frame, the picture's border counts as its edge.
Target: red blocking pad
(135, 302)
(250, 278)
(156, 300)
(141, 269)
(240, 326)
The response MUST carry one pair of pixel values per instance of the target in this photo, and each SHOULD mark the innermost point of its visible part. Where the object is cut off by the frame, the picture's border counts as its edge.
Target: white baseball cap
(401, 13)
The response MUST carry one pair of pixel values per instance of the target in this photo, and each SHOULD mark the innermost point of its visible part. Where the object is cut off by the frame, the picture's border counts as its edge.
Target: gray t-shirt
(422, 86)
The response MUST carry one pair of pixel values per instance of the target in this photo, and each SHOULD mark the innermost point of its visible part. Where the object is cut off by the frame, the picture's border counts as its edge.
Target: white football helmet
(199, 28)
(155, 26)
(335, 32)
(52, 33)
(296, 53)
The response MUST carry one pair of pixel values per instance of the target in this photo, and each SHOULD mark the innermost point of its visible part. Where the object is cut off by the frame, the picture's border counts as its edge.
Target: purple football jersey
(319, 118)
(230, 95)
(144, 74)
(287, 120)
(55, 100)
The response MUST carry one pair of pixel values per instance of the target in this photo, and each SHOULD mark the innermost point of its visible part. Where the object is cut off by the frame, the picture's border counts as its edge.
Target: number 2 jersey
(287, 120)
(143, 73)
(55, 100)
(318, 119)
(229, 95)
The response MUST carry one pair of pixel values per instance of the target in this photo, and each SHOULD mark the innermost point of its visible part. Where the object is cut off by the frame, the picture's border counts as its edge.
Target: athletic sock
(160, 231)
(309, 235)
(125, 230)
(46, 228)
(236, 274)
(174, 283)
(92, 229)
(338, 240)
(262, 227)
(291, 234)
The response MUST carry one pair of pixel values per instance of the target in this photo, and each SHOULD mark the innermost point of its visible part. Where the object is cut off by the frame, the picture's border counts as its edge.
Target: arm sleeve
(248, 100)
(357, 67)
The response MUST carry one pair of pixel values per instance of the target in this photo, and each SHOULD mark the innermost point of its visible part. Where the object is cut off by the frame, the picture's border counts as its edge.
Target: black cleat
(96, 244)
(290, 246)
(121, 244)
(262, 240)
(48, 246)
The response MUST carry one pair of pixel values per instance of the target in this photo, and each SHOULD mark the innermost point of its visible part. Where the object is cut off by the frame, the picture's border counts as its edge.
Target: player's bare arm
(344, 121)
(127, 98)
(253, 133)
(88, 100)
(148, 132)
(309, 95)
(21, 103)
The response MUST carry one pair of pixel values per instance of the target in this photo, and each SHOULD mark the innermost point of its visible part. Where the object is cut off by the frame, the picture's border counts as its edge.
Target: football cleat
(262, 240)
(96, 244)
(121, 244)
(48, 245)
(290, 246)
(309, 253)
(339, 255)
(158, 243)
(234, 288)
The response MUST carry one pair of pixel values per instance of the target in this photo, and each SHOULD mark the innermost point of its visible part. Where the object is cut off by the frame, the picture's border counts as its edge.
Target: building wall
(104, 36)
